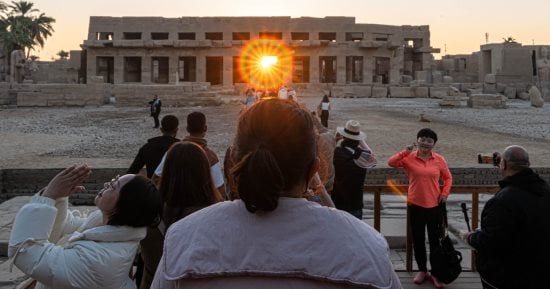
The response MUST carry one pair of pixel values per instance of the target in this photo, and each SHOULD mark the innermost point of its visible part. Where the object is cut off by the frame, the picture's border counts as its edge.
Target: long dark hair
(325, 98)
(186, 182)
(138, 204)
(275, 148)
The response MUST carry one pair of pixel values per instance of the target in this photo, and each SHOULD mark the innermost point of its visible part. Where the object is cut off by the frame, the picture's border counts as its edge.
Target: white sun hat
(352, 130)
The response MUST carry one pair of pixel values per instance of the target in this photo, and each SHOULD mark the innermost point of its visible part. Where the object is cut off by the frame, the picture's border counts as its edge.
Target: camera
(488, 158)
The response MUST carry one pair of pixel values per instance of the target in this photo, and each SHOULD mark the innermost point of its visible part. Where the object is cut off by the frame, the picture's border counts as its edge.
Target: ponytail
(260, 180)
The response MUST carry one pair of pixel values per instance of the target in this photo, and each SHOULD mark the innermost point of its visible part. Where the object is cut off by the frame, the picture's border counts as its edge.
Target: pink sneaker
(420, 277)
(437, 284)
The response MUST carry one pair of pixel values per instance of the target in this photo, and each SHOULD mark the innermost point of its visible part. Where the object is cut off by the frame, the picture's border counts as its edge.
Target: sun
(265, 63)
(268, 61)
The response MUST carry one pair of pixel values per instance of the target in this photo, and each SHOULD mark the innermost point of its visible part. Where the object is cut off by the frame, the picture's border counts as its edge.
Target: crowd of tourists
(283, 210)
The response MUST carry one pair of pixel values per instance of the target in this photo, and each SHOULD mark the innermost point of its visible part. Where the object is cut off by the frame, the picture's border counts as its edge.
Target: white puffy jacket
(93, 256)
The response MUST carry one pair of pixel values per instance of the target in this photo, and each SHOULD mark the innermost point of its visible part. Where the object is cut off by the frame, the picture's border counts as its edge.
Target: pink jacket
(299, 245)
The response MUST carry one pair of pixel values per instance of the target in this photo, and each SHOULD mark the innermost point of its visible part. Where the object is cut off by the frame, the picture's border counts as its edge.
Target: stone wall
(19, 182)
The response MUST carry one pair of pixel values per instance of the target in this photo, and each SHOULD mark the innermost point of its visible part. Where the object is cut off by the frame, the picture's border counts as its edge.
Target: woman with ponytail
(272, 237)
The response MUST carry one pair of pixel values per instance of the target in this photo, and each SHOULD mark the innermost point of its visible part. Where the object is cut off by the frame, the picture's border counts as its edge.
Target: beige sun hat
(352, 130)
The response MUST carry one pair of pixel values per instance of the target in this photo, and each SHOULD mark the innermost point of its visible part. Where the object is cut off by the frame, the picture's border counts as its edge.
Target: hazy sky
(458, 25)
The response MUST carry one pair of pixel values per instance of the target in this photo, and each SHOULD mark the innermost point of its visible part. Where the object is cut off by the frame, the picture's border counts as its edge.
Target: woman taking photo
(186, 186)
(272, 237)
(424, 169)
(100, 249)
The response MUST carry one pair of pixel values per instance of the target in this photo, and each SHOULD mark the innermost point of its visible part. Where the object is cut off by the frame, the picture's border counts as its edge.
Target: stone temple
(155, 50)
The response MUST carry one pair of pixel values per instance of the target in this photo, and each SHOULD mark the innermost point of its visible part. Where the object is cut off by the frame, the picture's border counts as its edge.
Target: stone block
(421, 75)
(447, 79)
(523, 95)
(510, 92)
(30, 99)
(487, 100)
(437, 77)
(489, 88)
(536, 97)
(399, 91)
(501, 87)
(379, 92)
(490, 79)
(421, 91)
(439, 92)
(406, 78)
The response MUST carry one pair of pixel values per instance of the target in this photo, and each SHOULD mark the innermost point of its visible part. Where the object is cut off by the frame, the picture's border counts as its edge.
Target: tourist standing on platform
(186, 186)
(352, 158)
(272, 237)
(513, 244)
(323, 109)
(424, 169)
(151, 153)
(155, 106)
(59, 250)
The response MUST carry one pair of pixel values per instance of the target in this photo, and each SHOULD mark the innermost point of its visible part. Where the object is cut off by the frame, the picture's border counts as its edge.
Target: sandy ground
(109, 136)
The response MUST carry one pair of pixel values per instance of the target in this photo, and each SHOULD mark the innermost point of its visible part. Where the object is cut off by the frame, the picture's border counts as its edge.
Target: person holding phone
(424, 169)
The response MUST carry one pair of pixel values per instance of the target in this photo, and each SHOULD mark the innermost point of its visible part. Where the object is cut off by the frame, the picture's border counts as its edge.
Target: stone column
(314, 68)
(228, 70)
(173, 69)
(341, 69)
(146, 69)
(201, 68)
(119, 69)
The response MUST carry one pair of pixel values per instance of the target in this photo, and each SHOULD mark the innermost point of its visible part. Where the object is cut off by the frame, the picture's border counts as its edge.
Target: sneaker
(420, 277)
(437, 284)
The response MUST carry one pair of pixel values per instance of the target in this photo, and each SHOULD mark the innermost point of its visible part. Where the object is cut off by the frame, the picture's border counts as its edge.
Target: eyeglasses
(111, 184)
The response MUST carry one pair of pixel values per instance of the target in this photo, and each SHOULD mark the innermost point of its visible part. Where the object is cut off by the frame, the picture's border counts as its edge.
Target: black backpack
(444, 259)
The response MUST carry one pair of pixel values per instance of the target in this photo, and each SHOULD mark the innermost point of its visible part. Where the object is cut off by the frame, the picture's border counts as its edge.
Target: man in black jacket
(155, 106)
(151, 153)
(513, 244)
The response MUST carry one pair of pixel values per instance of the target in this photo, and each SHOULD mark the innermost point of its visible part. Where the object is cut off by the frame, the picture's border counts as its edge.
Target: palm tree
(22, 27)
(63, 55)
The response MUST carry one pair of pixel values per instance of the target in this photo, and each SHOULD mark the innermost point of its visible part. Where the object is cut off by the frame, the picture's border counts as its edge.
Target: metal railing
(402, 189)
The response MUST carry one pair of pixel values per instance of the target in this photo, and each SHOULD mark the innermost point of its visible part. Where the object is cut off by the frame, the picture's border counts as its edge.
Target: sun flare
(265, 63)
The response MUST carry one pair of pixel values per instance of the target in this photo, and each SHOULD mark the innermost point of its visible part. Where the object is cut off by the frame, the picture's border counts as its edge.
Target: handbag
(445, 260)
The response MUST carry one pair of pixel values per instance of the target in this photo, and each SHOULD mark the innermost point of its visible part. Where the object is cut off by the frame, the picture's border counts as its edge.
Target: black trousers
(420, 218)
(156, 118)
(324, 118)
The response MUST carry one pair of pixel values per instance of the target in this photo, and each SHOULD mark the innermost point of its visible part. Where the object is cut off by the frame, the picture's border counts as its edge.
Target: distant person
(196, 127)
(282, 93)
(272, 237)
(60, 250)
(292, 94)
(513, 242)
(151, 153)
(424, 169)
(250, 97)
(352, 158)
(185, 187)
(155, 106)
(323, 109)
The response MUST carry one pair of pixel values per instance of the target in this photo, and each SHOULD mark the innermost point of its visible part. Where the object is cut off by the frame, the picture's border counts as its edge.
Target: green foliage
(23, 26)
(509, 39)
(63, 54)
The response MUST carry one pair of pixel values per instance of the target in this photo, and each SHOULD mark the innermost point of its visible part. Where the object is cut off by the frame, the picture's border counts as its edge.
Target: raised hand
(67, 182)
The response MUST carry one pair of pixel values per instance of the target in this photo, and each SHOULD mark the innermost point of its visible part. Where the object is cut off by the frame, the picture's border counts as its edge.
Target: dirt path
(109, 137)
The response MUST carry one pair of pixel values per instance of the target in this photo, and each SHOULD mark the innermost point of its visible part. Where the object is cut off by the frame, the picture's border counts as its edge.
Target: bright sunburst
(265, 63)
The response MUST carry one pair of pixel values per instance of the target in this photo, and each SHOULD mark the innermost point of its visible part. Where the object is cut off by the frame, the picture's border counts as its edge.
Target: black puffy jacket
(513, 245)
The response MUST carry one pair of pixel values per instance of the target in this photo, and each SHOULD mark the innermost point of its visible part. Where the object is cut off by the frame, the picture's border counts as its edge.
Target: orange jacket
(424, 189)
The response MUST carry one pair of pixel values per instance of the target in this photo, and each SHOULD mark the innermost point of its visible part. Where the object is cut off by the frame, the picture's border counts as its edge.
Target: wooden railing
(402, 189)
